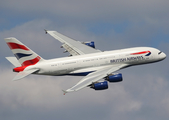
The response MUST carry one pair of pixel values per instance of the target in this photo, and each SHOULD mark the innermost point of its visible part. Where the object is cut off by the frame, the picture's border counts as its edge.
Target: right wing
(72, 46)
(95, 76)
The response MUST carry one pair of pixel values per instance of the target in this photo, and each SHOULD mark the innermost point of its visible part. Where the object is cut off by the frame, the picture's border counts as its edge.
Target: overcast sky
(112, 24)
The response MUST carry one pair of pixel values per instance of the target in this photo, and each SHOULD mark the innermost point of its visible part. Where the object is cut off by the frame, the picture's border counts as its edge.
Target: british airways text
(127, 59)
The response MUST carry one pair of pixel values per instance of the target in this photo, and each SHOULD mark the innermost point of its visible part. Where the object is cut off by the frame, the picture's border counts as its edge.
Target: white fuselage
(77, 65)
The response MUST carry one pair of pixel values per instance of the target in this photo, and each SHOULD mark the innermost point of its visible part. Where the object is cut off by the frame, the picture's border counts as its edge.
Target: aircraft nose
(163, 55)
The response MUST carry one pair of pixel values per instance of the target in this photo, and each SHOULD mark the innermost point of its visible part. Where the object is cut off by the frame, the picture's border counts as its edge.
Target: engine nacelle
(115, 78)
(100, 85)
(91, 44)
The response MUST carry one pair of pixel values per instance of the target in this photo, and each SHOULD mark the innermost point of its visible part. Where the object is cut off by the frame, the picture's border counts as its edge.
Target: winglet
(64, 92)
(67, 91)
(45, 31)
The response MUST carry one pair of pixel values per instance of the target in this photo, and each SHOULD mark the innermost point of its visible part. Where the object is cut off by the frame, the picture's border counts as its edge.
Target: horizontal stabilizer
(23, 74)
(14, 61)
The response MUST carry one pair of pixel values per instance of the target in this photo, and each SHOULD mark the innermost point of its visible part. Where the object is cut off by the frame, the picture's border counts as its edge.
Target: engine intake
(100, 85)
(115, 78)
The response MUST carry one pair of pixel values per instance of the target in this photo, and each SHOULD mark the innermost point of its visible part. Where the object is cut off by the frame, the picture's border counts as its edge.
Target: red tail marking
(26, 64)
(31, 62)
(16, 46)
(19, 69)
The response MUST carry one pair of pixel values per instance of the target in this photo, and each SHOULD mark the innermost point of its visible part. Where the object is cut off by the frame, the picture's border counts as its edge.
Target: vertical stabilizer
(24, 55)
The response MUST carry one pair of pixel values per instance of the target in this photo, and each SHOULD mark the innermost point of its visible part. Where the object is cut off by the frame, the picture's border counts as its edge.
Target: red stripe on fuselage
(31, 62)
(16, 46)
(143, 52)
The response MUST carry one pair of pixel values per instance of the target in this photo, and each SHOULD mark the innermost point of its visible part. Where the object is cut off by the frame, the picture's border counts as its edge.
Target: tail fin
(24, 55)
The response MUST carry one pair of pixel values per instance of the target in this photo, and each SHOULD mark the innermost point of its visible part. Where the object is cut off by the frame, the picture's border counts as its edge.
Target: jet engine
(100, 85)
(114, 77)
(91, 44)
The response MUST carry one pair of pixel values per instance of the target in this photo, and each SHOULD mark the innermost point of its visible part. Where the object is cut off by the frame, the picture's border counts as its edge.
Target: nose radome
(164, 55)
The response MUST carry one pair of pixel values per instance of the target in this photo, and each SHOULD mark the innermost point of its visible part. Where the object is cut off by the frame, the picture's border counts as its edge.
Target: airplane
(98, 67)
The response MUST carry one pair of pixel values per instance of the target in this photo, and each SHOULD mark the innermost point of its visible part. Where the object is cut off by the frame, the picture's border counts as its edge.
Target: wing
(95, 76)
(72, 46)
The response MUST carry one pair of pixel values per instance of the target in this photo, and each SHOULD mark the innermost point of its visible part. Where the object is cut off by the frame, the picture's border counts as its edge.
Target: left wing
(72, 46)
(95, 76)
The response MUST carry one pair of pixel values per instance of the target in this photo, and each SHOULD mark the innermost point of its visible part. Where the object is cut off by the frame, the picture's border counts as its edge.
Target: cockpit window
(160, 52)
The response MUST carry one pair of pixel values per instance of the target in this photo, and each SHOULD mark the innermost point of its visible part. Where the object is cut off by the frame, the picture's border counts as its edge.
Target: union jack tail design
(24, 55)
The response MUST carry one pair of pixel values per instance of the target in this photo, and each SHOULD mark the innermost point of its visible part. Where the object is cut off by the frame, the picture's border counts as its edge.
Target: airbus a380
(97, 66)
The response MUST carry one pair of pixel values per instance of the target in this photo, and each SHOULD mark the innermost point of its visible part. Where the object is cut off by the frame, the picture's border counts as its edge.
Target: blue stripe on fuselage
(80, 74)
(148, 54)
